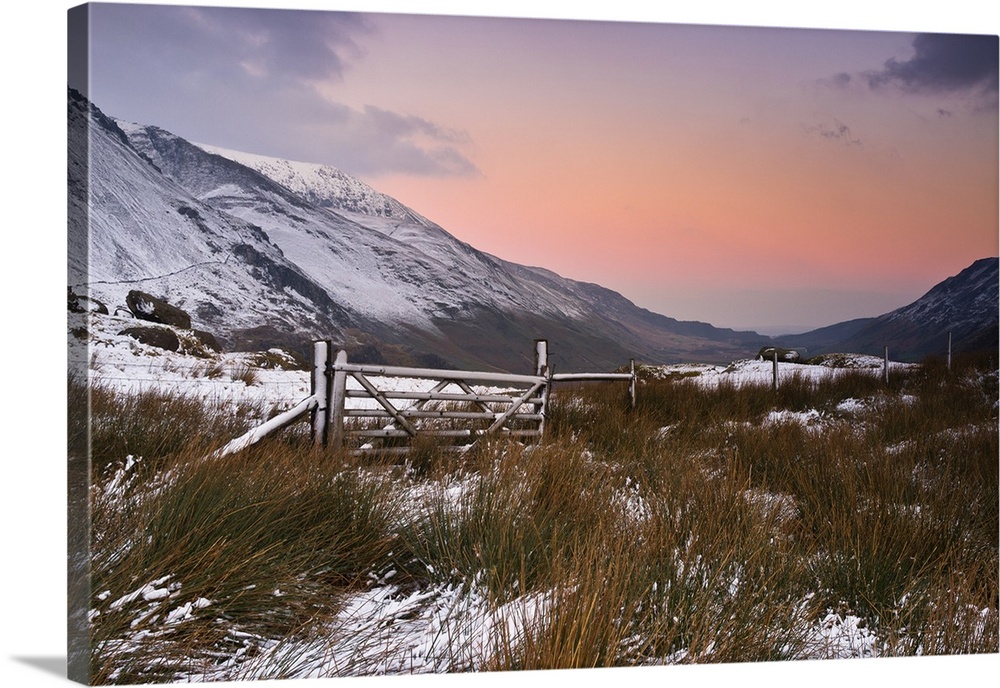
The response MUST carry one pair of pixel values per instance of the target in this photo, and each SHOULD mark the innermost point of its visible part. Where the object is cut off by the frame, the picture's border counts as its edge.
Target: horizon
(858, 168)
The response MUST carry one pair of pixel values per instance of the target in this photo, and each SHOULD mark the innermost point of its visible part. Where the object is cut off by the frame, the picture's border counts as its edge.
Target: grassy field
(710, 524)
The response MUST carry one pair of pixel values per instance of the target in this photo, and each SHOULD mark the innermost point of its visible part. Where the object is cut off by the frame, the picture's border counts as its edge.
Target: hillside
(966, 305)
(278, 253)
(266, 252)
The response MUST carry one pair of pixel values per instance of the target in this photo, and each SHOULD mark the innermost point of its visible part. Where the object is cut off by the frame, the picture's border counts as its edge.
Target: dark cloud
(409, 125)
(837, 132)
(842, 80)
(943, 63)
(208, 44)
(247, 79)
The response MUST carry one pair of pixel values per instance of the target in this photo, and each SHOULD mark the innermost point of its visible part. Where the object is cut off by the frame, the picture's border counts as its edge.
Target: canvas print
(409, 344)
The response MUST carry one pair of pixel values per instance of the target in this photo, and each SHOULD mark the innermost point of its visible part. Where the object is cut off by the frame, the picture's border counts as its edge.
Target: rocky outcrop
(207, 339)
(152, 309)
(160, 337)
(77, 303)
(785, 355)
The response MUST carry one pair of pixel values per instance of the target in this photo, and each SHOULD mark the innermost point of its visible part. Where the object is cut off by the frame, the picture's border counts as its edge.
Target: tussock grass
(149, 424)
(873, 512)
(245, 373)
(264, 539)
(701, 526)
(521, 514)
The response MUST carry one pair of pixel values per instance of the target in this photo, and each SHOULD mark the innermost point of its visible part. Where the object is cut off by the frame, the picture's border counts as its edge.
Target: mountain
(325, 186)
(132, 227)
(966, 305)
(265, 252)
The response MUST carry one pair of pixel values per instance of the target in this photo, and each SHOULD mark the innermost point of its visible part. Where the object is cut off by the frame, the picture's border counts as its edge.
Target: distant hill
(966, 305)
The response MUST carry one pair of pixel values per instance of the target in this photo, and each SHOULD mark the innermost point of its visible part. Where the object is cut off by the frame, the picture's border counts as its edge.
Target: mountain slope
(133, 228)
(965, 304)
(268, 252)
(323, 186)
(249, 257)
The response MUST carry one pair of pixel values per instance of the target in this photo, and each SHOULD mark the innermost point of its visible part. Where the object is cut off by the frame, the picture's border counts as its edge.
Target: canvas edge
(78, 423)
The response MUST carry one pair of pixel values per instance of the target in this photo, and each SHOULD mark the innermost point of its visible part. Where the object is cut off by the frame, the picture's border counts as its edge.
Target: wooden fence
(375, 415)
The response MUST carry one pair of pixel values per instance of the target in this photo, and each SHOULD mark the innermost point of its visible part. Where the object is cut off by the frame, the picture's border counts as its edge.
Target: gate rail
(451, 409)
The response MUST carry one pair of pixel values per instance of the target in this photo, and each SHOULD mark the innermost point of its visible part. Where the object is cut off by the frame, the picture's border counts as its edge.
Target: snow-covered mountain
(266, 252)
(132, 227)
(966, 305)
(325, 186)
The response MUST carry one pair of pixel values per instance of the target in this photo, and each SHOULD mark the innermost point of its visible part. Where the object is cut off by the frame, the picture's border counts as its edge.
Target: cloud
(374, 141)
(209, 44)
(942, 63)
(837, 132)
(370, 141)
(253, 80)
(842, 80)
(419, 146)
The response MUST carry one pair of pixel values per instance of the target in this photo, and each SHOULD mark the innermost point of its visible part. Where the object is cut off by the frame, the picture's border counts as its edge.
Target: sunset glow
(755, 178)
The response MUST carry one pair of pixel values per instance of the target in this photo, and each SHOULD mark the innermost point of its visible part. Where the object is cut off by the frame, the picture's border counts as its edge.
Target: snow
(843, 637)
(321, 184)
(851, 406)
(805, 418)
(756, 372)
(385, 629)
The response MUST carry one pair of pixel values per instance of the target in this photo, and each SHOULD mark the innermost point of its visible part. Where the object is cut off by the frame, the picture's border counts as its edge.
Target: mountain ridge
(965, 305)
(304, 252)
(260, 265)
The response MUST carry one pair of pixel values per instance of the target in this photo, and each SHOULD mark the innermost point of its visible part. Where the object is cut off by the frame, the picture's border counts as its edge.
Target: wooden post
(631, 383)
(774, 373)
(321, 391)
(541, 356)
(542, 368)
(885, 366)
(338, 395)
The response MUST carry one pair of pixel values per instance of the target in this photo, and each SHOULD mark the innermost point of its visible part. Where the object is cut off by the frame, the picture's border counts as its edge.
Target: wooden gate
(373, 408)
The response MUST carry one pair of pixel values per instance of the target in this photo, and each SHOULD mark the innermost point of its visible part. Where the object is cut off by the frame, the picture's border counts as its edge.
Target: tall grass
(878, 513)
(698, 527)
(194, 559)
(521, 515)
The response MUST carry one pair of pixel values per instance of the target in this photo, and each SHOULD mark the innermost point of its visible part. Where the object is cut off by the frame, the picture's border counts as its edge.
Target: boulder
(207, 339)
(147, 307)
(785, 355)
(278, 359)
(84, 304)
(159, 337)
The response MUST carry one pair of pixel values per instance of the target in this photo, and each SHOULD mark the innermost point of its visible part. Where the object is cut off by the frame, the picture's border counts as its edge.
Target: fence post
(338, 395)
(542, 368)
(885, 366)
(541, 356)
(631, 383)
(774, 373)
(321, 391)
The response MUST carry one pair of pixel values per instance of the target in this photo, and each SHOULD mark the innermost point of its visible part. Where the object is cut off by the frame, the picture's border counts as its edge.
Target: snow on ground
(382, 631)
(386, 630)
(752, 371)
(120, 363)
(810, 418)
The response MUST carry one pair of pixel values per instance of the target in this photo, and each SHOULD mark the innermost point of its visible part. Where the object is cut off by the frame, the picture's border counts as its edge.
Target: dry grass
(688, 530)
(269, 537)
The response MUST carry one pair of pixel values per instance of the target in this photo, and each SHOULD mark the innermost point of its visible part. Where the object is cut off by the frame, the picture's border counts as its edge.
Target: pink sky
(746, 177)
(688, 167)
